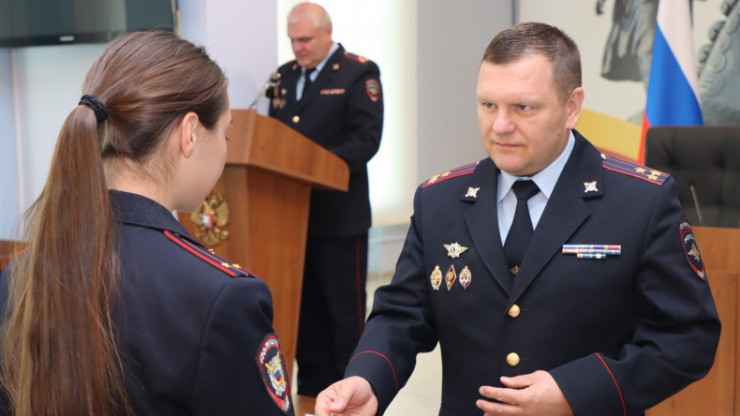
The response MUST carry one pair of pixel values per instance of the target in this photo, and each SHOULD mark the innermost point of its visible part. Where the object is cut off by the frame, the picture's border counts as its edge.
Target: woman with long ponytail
(112, 308)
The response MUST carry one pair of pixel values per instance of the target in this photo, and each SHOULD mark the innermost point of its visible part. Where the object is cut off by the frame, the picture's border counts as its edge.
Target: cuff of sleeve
(378, 370)
(590, 387)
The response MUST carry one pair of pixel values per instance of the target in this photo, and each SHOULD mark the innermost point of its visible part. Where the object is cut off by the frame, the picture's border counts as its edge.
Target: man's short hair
(527, 39)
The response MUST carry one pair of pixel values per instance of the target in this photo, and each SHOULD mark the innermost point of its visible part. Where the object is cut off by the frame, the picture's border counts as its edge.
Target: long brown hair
(59, 353)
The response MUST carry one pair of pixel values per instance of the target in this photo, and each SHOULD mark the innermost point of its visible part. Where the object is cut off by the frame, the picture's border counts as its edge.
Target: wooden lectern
(719, 392)
(266, 185)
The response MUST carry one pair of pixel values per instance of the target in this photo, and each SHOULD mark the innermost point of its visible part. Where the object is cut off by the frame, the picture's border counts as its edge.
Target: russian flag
(673, 88)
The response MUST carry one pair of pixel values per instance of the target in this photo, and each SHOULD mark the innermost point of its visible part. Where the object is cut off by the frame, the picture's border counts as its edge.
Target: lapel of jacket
(483, 226)
(566, 210)
(326, 74)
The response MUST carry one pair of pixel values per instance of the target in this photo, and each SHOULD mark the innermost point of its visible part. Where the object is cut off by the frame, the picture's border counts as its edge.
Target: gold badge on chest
(436, 278)
(455, 249)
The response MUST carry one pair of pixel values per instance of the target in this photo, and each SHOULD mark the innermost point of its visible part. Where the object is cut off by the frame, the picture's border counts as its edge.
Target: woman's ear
(186, 137)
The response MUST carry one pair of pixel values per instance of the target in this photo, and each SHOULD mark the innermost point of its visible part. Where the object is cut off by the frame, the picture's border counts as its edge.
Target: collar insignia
(472, 192)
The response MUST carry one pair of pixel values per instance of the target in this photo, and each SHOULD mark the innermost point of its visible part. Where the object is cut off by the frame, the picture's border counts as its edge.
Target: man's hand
(526, 395)
(349, 397)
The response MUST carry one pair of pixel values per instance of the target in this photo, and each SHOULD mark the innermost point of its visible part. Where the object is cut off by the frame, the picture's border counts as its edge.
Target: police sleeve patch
(372, 89)
(271, 365)
(691, 249)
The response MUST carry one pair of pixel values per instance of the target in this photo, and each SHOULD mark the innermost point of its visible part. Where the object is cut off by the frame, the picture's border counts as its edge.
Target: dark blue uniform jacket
(194, 331)
(618, 334)
(342, 111)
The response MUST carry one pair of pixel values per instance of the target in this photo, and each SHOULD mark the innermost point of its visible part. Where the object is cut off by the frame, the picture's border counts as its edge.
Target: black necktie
(307, 81)
(521, 228)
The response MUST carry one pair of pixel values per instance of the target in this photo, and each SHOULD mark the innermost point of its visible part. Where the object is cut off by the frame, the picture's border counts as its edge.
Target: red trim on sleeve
(614, 379)
(393, 370)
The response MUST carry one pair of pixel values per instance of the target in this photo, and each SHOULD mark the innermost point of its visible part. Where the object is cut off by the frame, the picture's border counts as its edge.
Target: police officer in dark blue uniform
(334, 98)
(557, 280)
(114, 309)
(195, 330)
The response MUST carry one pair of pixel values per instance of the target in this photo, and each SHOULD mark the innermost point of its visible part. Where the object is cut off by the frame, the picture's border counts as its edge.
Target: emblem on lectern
(211, 219)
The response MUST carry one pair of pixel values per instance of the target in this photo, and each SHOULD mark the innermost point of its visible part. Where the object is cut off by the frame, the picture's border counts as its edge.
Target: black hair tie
(100, 111)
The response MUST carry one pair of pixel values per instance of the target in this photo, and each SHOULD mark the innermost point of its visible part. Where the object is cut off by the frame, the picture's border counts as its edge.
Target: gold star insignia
(455, 249)
(472, 192)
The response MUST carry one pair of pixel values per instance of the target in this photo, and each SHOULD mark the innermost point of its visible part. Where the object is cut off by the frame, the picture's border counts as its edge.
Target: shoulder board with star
(454, 173)
(633, 169)
(231, 269)
(356, 58)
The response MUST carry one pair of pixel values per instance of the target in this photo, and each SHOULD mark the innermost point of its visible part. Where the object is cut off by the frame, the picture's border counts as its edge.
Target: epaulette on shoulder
(633, 169)
(454, 173)
(356, 58)
(231, 269)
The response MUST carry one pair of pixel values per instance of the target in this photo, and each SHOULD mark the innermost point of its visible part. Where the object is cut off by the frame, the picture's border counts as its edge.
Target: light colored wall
(48, 81)
(451, 39)
(240, 35)
(9, 207)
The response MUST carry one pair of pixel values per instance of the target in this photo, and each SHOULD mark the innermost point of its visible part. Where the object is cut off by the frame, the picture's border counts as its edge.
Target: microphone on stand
(692, 188)
(270, 90)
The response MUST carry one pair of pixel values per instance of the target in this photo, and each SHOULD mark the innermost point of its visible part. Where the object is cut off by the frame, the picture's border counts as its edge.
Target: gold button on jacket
(514, 311)
(512, 359)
